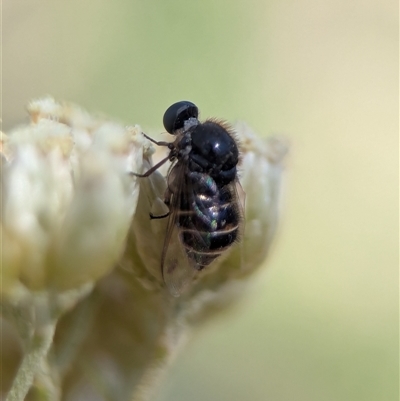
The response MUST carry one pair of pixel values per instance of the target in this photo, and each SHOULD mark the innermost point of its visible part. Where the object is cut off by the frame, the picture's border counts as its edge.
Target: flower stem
(37, 350)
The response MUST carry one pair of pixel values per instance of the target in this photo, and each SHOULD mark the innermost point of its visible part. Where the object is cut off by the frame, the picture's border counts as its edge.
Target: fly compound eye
(177, 114)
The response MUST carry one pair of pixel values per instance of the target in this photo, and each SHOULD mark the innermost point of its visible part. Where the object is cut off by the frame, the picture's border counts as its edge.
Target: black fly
(204, 209)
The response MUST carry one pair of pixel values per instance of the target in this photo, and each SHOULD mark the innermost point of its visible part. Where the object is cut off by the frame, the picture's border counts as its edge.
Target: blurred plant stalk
(85, 312)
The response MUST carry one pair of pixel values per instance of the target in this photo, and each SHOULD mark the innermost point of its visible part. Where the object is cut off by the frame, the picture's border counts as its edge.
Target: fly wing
(241, 198)
(177, 269)
(241, 201)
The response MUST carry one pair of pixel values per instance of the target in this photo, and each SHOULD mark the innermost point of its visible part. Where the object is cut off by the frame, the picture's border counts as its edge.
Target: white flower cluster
(75, 232)
(67, 197)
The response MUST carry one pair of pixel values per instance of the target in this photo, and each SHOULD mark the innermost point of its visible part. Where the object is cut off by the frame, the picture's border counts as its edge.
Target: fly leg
(163, 216)
(169, 145)
(152, 170)
(159, 143)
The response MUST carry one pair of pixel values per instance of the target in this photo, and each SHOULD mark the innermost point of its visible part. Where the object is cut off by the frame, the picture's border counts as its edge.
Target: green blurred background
(321, 323)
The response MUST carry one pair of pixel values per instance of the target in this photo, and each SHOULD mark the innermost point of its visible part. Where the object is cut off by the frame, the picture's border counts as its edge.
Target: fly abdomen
(203, 247)
(208, 222)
